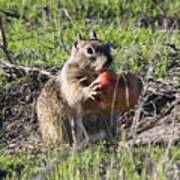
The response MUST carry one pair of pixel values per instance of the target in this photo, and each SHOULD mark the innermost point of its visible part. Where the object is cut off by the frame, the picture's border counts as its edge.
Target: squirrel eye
(89, 50)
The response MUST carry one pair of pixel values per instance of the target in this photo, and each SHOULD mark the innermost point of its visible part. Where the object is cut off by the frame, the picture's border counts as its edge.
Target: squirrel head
(92, 53)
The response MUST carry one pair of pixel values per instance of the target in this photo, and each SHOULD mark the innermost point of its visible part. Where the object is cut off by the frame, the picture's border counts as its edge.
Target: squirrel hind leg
(78, 130)
(49, 132)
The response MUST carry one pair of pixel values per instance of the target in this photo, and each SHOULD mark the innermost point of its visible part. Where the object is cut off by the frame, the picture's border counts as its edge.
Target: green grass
(125, 161)
(19, 165)
(95, 162)
(37, 41)
(34, 41)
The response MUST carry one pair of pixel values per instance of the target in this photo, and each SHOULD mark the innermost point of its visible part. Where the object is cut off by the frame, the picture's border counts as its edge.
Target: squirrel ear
(78, 39)
(78, 36)
(92, 35)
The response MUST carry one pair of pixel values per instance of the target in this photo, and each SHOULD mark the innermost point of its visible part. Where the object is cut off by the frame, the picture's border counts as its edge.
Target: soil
(155, 120)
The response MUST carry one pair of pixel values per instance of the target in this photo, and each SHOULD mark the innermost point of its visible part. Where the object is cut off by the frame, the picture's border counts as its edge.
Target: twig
(4, 45)
(26, 70)
(11, 13)
(155, 119)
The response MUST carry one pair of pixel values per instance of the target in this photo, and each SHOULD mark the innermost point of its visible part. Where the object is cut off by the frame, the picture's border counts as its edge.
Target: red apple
(107, 81)
(106, 78)
(118, 93)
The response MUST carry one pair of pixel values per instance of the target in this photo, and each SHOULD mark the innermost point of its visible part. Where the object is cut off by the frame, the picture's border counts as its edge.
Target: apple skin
(118, 93)
(107, 81)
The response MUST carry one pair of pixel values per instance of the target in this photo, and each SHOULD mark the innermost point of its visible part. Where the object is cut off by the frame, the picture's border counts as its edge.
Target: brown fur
(66, 101)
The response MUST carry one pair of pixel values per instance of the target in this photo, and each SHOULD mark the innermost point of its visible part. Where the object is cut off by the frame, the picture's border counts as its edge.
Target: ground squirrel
(66, 101)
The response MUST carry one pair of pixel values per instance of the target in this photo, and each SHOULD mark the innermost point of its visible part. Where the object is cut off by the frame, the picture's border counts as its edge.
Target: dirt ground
(155, 120)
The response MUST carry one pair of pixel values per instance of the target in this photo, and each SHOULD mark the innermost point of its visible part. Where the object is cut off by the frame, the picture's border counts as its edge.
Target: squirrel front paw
(93, 90)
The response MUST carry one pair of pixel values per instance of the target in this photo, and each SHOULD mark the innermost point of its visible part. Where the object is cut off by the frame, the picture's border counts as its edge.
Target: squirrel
(67, 102)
